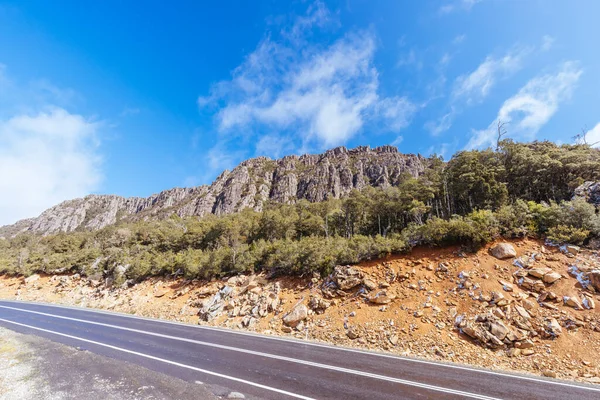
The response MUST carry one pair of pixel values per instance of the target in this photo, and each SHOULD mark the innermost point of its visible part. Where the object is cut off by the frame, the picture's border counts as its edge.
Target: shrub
(567, 234)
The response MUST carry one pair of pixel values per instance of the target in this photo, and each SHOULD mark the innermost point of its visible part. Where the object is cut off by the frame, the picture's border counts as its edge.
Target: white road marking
(298, 396)
(273, 356)
(314, 344)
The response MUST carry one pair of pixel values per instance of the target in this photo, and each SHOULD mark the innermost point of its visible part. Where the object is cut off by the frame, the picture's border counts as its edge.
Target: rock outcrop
(590, 191)
(313, 177)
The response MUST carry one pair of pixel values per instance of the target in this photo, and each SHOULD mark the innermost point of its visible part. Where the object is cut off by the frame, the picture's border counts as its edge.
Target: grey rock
(590, 191)
(297, 315)
(594, 278)
(503, 250)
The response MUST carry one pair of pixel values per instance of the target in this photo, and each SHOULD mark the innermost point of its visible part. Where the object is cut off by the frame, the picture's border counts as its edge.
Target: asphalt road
(273, 368)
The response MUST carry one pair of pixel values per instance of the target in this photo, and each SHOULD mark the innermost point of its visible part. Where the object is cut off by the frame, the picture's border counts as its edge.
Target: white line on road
(314, 344)
(298, 396)
(273, 356)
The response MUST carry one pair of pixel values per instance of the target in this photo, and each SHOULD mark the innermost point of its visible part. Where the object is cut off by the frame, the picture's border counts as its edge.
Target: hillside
(253, 183)
(308, 214)
(535, 310)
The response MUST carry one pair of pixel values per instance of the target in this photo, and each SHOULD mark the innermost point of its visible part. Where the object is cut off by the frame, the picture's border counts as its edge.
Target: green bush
(567, 234)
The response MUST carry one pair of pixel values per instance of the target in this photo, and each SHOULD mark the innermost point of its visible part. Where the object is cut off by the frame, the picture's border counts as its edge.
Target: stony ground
(533, 311)
(36, 368)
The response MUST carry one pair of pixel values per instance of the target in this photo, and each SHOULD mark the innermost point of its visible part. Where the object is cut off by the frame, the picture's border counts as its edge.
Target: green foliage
(567, 234)
(521, 189)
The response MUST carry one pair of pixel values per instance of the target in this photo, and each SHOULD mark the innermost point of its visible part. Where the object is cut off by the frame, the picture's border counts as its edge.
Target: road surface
(273, 368)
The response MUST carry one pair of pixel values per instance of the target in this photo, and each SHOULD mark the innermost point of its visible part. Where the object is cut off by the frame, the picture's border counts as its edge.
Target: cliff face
(313, 177)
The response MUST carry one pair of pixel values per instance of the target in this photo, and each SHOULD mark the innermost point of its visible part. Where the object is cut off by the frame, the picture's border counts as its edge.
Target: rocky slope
(314, 177)
(523, 306)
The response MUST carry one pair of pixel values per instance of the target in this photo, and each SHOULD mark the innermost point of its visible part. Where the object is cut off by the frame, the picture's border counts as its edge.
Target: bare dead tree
(581, 138)
(501, 133)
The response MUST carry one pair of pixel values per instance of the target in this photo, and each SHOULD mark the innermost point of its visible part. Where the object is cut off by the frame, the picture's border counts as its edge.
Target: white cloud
(442, 125)
(322, 94)
(274, 146)
(459, 39)
(593, 136)
(45, 158)
(398, 141)
(475, 86)
(547, 42)
(458, 5)
(532, 107)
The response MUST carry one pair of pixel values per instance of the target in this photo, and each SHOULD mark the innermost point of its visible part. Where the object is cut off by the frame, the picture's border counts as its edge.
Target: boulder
(551, 277)
(369, 284)
(498, 329)
(353, 333)
(503, 251)
(380, 298)
(318, 304)
(594, 278)
(539, 272)
(553, 327)
(573, 249)
(347, 277)
(508, 287)
(588, 302)
(214, 306)
(296, 315)
(573, 301)
(31, 279)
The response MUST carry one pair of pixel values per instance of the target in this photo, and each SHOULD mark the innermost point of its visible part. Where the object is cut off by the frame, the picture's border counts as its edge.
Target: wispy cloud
(316, 94)
(398, 141)
(547, 42)
(465, 5)
(127, 111)
(476, 85)
(459, 39)
(442, 125)
(532, 107)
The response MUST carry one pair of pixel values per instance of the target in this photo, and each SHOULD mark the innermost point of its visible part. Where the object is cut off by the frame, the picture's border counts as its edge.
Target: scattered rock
(548, 373)
(380, 298)
(553, 327)
(353, 333)
(32, 278)
(539, 272)
(551, 277)
(594, 279)
(573, 301)
(369, 284)
(573, 250)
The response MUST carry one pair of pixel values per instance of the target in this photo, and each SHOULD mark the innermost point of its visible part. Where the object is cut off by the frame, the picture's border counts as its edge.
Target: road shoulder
(34, 367)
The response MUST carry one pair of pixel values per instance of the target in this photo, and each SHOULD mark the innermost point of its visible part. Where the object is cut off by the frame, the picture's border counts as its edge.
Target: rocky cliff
(314, 177)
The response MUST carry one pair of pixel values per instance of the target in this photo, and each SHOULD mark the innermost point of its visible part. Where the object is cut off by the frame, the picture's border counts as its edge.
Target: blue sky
(115, 97)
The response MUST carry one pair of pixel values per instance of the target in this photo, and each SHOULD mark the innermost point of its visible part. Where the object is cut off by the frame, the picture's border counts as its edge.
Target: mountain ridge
(251, 184)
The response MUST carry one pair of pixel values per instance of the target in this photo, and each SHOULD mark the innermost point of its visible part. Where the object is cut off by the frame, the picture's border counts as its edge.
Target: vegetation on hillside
(520, 189)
